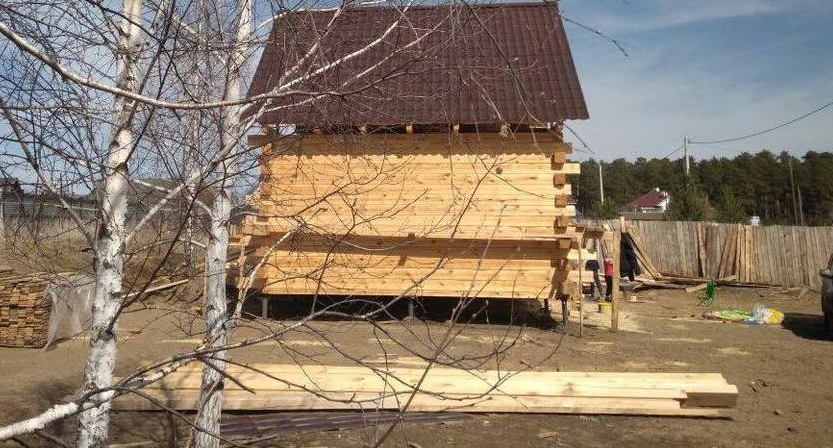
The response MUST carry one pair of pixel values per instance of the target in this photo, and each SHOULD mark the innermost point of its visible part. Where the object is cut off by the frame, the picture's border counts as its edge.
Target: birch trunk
(216, 308)
(93, 424)
(216, 318)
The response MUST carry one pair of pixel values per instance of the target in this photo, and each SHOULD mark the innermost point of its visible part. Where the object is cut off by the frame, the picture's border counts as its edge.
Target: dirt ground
(782, 371)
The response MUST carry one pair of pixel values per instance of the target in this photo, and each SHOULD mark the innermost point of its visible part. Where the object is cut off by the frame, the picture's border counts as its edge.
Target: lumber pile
(24, 311)
(653, 278)
(319, 387)
(645, 263)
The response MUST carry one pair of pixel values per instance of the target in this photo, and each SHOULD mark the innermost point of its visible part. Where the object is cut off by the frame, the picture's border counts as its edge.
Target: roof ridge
(370, 7)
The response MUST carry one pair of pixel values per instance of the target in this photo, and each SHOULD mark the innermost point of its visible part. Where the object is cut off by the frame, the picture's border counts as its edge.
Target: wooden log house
(442, 174)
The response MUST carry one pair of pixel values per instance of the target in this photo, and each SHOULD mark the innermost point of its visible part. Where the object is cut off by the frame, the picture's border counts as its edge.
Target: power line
(581, 140)
(673, 152)
(755, 134)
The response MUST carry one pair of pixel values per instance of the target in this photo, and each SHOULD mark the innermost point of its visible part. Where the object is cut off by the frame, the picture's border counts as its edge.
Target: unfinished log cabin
(425, 156)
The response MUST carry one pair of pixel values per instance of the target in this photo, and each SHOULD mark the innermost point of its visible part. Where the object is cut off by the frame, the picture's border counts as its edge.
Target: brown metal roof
(652, 198)
(440, 64)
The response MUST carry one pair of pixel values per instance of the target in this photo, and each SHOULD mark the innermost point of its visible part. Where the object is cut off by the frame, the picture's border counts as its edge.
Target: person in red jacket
(608, 262)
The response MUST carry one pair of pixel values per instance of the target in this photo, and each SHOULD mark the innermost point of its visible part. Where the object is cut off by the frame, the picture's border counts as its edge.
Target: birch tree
(93, 424)
(59, 124)
(163, 25)
(217, 321)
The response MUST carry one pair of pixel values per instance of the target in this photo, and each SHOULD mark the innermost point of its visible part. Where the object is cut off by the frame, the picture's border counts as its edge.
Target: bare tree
(216, 305)
(61, 140)
(156, 106)
(93, 424)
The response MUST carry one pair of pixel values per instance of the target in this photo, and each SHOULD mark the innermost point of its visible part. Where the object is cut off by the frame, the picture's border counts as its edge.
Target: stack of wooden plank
(24, 311)
(319, 387)
(645, 263)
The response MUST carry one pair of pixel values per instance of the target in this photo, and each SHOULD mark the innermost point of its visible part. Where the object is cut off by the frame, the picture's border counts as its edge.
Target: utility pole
(685, 151)
(601, 184)
(800, 206)
(792, 190)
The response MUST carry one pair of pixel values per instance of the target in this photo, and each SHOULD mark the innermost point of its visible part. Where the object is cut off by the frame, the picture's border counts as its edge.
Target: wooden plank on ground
(321, 387)
(295, 401)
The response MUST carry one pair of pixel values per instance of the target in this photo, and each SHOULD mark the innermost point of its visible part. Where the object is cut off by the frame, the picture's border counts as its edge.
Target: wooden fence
(772, 255)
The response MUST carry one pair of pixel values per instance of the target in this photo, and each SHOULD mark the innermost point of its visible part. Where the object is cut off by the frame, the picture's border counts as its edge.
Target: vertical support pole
(264, 307)
(792, 191)
(2, 219)
(615, 254)
(410, 308)
(580, 289)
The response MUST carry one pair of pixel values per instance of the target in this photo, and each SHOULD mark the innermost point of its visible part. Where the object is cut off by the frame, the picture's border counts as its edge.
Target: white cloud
(749, 76)
(646, 15)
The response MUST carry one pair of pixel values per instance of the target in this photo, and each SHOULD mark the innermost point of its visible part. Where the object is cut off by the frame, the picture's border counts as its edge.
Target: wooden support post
(558, 130)
(2, 222)
(615, 254)
(580, 290)
(410, 308)
(264, 307)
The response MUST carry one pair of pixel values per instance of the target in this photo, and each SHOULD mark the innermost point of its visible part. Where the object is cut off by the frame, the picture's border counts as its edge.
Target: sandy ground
(789, 365)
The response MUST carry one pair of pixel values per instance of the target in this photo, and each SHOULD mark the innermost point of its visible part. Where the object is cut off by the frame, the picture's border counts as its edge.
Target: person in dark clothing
(628, 265)
(596, 284)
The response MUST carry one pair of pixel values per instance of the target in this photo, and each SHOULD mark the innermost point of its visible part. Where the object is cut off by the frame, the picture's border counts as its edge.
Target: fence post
(615, 250)
(2, 219)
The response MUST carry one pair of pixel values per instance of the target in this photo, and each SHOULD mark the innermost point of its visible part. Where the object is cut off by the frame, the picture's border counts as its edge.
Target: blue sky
(709, 69)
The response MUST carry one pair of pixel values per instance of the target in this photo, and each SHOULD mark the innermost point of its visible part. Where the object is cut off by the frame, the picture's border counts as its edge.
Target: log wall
(439, 215)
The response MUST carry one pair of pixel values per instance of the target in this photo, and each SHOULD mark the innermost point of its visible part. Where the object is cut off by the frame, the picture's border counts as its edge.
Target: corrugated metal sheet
(441, 64)
(269, 425)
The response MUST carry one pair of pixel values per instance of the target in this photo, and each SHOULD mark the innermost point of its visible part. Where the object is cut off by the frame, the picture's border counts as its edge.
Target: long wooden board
(444, 389)
(296, 401)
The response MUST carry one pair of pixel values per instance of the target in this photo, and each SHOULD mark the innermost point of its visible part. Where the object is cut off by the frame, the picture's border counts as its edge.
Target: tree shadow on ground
(807, 326)
(437, 309)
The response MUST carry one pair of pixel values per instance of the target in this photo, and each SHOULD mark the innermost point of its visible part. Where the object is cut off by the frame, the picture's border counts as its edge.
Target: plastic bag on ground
(72, 307)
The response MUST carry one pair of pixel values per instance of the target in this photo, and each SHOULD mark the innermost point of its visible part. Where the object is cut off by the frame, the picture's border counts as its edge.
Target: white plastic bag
(72, 307)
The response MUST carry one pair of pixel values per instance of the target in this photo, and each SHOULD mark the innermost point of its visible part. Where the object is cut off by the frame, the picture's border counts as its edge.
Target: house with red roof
(651, 205)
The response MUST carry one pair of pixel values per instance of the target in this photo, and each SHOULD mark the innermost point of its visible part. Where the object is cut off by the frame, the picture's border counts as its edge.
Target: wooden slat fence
(772, 255)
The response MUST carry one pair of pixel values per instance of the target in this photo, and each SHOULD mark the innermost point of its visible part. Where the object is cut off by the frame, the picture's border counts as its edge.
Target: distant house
(10, 187)
(650, 206)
